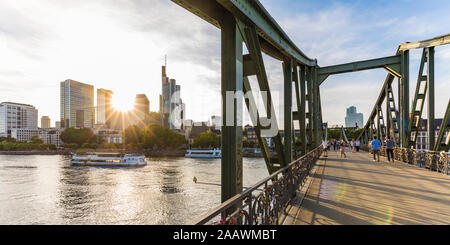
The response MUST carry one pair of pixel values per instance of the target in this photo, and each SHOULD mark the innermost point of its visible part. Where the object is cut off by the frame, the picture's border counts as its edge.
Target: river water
(49, 190)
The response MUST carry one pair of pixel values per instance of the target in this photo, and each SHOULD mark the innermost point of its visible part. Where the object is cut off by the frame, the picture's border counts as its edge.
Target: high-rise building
(104, 106)
(57, 124)
(353, 119)
(45, 122)
(16, 117)
(141, 108)
(171, 106)
(77, 104)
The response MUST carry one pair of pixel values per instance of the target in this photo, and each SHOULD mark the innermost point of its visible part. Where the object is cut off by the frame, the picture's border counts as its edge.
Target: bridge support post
(404, 99)
(309, 72)
(430, 77)
(302, 109)
(388, 121)
(287, 69)
(231, 84)
(316, 118)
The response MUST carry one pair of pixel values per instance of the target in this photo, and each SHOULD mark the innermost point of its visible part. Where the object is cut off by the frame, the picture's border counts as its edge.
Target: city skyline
(113, 45)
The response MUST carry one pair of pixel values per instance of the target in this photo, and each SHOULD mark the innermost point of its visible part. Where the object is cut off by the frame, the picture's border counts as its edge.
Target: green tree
(36, 140)
(156, 116)
(160, 136)
(70, 145)
(207, 139)
(78, 136)
(132, 135)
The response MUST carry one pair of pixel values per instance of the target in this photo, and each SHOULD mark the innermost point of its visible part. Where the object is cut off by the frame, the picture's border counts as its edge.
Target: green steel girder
(303, 109)
(274, 40)
(231, 80)
(381, 96)
(430, 109)
(436, 41)
(287, 73)
(309, 115)
(392, 114)
(403, 91)
(391, 63)
(445, 128)
(418, 101)
(210, 11)
(261, 141)
(299, 114)
(255, 60)
(252, 12)
(380, 124)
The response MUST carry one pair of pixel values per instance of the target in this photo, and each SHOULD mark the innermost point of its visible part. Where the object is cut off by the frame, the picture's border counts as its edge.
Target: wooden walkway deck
(358, 191)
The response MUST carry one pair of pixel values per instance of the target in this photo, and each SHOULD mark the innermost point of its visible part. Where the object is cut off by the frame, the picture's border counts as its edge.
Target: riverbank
(59, 152)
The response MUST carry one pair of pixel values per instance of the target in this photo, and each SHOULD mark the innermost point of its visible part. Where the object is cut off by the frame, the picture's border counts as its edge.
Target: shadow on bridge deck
(358, 191)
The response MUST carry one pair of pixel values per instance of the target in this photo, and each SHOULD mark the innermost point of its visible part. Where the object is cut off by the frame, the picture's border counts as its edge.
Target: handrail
(432, 160)
(292, 181)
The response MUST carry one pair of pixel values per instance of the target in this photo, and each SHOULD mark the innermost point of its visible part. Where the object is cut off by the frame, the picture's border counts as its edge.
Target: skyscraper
(45, 122)
(173, 109)
(77, 104)
(353, 118)
(141, 108)
(104, 106)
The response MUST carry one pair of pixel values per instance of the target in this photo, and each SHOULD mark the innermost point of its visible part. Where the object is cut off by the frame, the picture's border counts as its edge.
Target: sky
(120, 45)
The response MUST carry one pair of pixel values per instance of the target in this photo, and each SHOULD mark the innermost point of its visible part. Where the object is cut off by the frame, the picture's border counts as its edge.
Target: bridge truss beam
(390, 63)
(445, 128)
(274, 41)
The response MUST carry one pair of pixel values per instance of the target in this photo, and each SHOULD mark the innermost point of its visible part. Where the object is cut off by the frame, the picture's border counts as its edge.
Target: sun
(122, 103)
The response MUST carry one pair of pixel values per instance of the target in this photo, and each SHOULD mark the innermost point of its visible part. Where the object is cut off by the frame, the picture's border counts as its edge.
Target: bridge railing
(265, 202)
(432, 160)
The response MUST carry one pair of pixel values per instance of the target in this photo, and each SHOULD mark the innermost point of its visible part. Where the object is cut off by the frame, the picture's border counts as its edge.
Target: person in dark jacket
(389, 149)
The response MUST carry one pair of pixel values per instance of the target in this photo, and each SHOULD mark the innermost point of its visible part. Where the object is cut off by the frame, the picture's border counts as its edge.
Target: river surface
(49, 190)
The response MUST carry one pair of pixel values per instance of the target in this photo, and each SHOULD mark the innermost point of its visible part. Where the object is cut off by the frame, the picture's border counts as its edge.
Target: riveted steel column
(404, 99)
(287, 68)
(388, 116)
(309, 71)
(315, 109)
(430, 82)
(378, 123)
(302, 109)
(231, 82)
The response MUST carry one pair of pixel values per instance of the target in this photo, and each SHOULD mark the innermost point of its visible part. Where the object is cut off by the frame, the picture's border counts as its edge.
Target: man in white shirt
(325, 148)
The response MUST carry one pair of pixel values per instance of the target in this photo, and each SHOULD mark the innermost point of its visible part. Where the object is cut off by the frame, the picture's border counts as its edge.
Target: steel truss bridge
(248, 22)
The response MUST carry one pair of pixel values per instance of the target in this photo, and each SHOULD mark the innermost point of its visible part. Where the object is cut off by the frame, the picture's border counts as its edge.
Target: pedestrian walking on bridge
(376, 144)
(357, 144)
(390, 149)
(342, 148)
(325, 148)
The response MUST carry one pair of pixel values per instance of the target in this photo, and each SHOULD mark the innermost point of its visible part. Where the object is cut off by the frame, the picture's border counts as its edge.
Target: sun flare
(122, 103)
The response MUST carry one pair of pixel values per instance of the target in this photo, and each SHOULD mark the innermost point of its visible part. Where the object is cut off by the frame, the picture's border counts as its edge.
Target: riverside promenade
(359, 191)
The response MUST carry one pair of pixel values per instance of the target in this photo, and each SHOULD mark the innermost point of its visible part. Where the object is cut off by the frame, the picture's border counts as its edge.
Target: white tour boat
(108, 159)
(214, 153)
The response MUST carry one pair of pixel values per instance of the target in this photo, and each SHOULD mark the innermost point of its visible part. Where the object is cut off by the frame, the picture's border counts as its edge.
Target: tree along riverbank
(147, 153)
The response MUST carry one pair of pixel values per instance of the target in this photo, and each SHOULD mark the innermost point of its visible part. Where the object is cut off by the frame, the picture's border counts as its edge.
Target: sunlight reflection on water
(48, 190)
